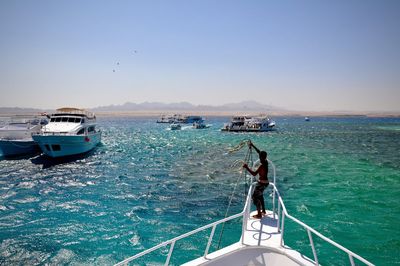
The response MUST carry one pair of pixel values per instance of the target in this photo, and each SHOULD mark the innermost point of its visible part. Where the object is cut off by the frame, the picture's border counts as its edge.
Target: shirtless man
(262, 184)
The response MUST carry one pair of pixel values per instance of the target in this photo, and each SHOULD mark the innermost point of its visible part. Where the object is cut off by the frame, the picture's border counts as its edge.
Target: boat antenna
(248, 158)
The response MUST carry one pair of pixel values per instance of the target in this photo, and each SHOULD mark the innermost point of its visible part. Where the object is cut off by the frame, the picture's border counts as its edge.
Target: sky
(313, 55)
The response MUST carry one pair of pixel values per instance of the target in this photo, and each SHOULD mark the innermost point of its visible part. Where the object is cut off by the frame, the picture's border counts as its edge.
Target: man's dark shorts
(259, 190)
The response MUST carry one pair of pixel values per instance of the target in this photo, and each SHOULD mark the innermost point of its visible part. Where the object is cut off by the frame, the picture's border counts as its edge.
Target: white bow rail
(282, 215)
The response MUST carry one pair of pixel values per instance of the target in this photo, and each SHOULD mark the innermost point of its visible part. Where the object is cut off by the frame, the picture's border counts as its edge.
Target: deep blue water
(145, 184)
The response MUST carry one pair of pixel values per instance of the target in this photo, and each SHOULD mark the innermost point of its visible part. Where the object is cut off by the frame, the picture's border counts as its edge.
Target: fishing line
(241, 175)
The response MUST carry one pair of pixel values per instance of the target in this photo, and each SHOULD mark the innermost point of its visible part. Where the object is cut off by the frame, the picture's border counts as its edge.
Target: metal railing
(281, 215)
(172, 241)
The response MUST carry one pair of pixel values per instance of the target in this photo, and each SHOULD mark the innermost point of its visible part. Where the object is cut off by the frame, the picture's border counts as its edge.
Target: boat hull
(247, 129)
(66, 145)
(18, 147)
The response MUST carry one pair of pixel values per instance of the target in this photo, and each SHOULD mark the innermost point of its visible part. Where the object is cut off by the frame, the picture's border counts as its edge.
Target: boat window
(83, 120)
(81, 131)
(58, 119)
(47, 147)
(56, 147)
(77, 120)
(64, 119)
(52, 119)
(71, 119)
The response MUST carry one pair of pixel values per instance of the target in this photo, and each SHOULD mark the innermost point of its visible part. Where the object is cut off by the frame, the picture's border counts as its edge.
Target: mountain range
(159, 106)
(186, 106)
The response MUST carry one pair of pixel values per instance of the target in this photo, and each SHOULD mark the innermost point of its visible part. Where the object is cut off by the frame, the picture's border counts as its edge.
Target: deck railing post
(313, 247)
(244, 224)
(351, 260)
(209, 241)
(273, 195)
(283, 228)
(169, 253)
(273, 201)
(279, 216)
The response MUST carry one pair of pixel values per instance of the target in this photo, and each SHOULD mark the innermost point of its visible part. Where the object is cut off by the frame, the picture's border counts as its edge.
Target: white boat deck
(260, 246)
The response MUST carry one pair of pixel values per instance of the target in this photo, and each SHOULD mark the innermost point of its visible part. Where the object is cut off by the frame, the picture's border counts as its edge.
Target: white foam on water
(27, 200)
(135, 240)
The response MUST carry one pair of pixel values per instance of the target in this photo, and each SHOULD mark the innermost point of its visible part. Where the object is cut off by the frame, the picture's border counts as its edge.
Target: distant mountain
(185, 106)
(245, 106)
(18, 110)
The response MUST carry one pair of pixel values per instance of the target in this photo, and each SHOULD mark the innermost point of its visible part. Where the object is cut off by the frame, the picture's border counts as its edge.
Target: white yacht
(181, 119)
(261, 241)
(16, 135)
(250, 124)
(70, 131)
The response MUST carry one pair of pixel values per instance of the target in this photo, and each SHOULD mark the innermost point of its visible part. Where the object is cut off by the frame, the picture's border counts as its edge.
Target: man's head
(263, 155)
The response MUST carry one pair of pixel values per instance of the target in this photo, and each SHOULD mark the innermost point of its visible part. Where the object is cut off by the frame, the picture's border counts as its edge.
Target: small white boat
(70, 131)
(261, 242)
(16, 135)
(250, 124)
(199, 125)
(307, 119)
(175, 126)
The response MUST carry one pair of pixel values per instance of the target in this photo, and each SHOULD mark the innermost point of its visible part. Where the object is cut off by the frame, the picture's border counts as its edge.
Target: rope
(239, 146)
(242, 174)
(250, 180)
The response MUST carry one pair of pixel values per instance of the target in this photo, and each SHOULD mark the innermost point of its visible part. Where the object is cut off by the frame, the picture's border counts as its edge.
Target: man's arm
(252, 145)
(245, 166)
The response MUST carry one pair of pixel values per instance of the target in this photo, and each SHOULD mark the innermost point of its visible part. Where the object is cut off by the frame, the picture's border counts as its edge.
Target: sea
(145, 184)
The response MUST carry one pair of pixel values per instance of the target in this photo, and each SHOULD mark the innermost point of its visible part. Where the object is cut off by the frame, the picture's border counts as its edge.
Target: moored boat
(16, 135)
(180, 119)
(260, 123)
(70, 131)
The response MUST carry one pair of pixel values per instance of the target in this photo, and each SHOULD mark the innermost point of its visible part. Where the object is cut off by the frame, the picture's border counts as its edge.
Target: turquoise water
(146, 184)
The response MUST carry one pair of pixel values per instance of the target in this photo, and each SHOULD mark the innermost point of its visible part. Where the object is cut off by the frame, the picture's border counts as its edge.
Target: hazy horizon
(297, 55)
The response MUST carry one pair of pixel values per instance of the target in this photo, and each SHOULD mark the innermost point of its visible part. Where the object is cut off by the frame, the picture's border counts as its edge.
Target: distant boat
(200, 125)
(175, 126)
(249, 124)
(166, 119)
(190, 119)
(181, 119)
(70, 131)
(16, 135)
(307, 118)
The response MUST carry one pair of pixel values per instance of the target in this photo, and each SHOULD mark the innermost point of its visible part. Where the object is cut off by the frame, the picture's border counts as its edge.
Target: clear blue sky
(302, 55)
